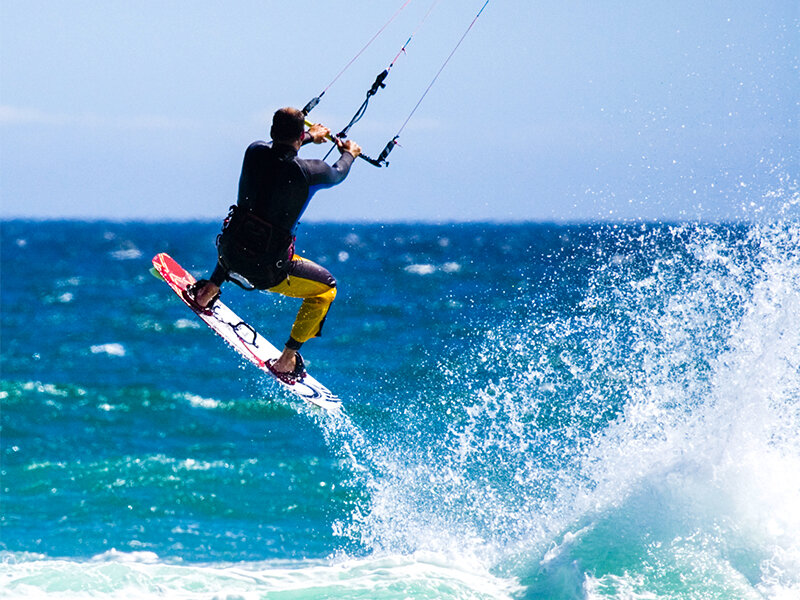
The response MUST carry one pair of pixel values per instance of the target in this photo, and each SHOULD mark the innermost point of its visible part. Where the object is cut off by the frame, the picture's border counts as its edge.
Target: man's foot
(201, 296)
(288, 367)
(286, 362)
(207, 294)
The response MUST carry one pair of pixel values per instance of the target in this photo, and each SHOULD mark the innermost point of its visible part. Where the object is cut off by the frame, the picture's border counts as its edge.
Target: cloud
(14, 115)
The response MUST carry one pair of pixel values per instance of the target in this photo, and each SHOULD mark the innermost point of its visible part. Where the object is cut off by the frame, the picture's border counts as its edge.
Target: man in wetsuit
(257, 240)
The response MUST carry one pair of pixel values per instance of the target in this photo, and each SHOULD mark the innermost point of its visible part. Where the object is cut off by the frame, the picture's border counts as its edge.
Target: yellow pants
(317, 287)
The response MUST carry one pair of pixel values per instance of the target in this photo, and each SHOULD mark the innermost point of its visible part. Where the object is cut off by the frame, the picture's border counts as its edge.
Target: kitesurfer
(257, 239)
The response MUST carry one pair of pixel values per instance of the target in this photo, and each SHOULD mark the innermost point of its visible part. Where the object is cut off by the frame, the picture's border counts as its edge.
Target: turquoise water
(531, 411)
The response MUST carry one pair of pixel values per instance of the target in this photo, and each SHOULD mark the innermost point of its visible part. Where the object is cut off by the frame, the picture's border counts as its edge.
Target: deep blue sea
(530, 411)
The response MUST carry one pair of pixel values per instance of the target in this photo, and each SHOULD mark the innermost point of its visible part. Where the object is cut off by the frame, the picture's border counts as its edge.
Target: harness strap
(252, 245)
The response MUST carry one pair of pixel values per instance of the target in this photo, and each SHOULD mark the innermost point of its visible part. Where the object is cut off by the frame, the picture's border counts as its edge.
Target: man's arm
(322, 175)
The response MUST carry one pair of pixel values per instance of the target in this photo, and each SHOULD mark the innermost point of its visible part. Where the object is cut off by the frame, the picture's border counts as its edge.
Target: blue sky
(549, 111)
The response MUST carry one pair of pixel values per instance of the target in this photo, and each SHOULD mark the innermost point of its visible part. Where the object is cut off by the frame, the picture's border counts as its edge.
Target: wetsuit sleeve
(321, 175)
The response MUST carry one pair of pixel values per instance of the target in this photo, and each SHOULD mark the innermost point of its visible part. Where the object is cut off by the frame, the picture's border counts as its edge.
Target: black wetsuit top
(275, 188)
(277, 185)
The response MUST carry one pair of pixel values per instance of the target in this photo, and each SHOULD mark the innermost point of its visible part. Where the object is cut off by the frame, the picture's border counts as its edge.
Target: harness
(254, 249)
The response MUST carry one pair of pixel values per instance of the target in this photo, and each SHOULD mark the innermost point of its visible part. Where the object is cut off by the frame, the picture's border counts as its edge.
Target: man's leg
(317, 287)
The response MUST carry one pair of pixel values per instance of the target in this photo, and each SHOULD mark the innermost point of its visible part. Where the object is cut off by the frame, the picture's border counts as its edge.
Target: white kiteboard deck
(242, 336)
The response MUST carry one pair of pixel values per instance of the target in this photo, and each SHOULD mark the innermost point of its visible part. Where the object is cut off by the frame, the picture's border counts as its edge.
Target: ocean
(531, 411)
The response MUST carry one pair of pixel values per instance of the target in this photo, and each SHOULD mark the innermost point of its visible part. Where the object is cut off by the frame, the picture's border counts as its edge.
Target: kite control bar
(377, 162)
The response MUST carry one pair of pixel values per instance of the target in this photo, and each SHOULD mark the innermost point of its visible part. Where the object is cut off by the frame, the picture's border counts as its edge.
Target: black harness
(253, 248)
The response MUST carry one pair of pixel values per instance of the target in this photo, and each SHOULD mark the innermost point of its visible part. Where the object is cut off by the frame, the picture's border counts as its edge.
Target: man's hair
(288, 125)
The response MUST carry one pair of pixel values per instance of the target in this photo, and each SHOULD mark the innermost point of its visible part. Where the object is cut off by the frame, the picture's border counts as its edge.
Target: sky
(568, 111)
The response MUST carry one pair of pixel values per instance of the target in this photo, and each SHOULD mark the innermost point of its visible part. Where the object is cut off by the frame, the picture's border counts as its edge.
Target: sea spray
(707, 424)
(648, 437)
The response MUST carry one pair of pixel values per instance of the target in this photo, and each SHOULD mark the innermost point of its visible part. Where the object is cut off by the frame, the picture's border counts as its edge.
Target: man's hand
(348, 146)
(318, 133)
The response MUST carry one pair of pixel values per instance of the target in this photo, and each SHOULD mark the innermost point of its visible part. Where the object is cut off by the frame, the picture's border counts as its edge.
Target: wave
(643, 446)
(143, 575)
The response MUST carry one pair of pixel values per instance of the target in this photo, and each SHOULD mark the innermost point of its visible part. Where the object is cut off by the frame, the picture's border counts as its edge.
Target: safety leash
(381, 160)
(380, 83)
(315, 100)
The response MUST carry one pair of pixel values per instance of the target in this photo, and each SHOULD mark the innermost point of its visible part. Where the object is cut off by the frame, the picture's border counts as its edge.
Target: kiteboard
(241, 336)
